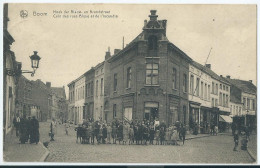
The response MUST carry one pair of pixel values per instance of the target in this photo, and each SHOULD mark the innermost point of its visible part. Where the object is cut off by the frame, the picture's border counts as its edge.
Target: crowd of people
(27, 129)
(129, 132)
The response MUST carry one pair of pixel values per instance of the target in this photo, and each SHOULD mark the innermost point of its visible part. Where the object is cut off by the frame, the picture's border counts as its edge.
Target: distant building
(243, 102)
(209, 98)
(89, 94)
(25, 104)
(59, 106)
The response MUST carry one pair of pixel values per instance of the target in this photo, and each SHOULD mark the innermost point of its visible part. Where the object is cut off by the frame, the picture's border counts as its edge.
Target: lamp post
(35, 60)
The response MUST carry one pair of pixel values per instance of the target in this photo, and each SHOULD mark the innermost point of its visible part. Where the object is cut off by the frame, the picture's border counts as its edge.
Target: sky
(71, 46)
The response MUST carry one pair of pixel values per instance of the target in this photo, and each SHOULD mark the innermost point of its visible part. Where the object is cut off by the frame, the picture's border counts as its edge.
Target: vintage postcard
(130, 83)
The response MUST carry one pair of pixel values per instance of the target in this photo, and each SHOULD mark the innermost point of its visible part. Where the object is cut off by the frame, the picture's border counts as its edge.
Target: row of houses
(152, 78)
(35, 98)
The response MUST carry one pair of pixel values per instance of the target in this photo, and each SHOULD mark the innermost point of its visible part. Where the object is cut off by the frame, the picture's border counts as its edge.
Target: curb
(251, 155)
(46, 154)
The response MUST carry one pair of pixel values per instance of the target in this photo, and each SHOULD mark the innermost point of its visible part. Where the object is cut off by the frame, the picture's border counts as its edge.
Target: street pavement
(211, 149)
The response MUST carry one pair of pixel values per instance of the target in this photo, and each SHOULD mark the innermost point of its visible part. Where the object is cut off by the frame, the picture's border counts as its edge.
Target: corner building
(149, 78)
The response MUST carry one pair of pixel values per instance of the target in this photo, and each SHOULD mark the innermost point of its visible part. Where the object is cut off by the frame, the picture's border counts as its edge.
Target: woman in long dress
(125, 133)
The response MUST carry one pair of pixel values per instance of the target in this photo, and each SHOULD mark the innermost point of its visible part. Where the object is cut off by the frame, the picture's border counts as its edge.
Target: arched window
(152, 42)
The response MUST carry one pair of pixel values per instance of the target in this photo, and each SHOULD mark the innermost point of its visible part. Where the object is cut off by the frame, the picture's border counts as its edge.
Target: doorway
(151, 111)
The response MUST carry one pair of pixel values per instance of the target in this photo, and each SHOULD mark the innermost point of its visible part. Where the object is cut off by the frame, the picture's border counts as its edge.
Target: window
(92, 88)
(227, 101)
(152, 75)
(101, 87)
(220, 99)
(209, 92)
(128, 113)
(115, 82)
(248, 103)
(152, 43)
(174, 76)
(212, 102)
(201, 94)
(114, 111)
(253, 104)
(216, 89)
(227, 88)
(244, 102)
(213, 85)
(216, 102)
(205, 93)
(224, 100)
(231, 109)
(128, 77)
(192, 84)
(184, 83)
(220, 86)
(97, 88)
(197, 87)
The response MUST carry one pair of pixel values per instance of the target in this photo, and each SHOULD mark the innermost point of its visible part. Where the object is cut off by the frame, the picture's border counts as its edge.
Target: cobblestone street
(214, 149)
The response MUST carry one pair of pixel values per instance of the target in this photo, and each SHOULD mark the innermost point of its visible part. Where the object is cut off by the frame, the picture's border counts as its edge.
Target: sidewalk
(252, 146)
(16, 152)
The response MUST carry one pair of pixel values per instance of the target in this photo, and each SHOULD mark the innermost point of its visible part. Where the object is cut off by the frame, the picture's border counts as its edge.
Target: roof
(137, 38)
(209, 71)
(244, 86)
(235, 99)
(59, 91)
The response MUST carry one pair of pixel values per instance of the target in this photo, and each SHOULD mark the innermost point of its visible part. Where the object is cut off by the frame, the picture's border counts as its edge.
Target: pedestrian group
(129, 132)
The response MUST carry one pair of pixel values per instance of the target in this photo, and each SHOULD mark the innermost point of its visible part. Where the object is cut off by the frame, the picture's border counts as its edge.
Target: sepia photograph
(129, 83)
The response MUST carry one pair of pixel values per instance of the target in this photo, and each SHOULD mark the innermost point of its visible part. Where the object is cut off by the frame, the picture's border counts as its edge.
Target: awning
(225, 118)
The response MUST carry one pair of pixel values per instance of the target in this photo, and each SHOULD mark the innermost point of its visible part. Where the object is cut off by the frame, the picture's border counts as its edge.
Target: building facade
(244, 98)
(89, 94)
(9, 81)
(149, 78)
(71, 105)
(79, 99)
(99, 92)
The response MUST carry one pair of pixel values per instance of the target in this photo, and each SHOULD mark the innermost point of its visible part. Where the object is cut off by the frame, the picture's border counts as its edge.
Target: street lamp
(35, 59)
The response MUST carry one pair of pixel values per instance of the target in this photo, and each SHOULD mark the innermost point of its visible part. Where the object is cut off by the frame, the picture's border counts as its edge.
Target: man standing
(34, 137)
(236, 139)
(183, 133)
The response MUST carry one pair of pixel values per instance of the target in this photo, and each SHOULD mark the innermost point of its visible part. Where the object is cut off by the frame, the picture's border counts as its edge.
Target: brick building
(149, 77)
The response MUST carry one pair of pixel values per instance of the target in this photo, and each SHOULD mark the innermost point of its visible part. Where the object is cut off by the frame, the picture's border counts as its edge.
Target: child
(157, 137)
(167, 136)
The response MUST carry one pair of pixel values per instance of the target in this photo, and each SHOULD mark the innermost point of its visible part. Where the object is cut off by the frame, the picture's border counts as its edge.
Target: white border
(256, 2)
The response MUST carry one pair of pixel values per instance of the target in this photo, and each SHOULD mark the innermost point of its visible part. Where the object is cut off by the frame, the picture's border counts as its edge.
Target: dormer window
(152, 43)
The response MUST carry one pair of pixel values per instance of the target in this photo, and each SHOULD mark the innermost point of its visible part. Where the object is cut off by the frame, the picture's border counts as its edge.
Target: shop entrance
(151, 111)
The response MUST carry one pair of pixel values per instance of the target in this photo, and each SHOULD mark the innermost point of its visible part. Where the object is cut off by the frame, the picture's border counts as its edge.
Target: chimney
(116, 51)
(164, 24)
(145, 23)
(153, 16)
(221, 76)
(208, 66)
(228, 76)
(108, 54)
(48, 84)
(251, 81)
